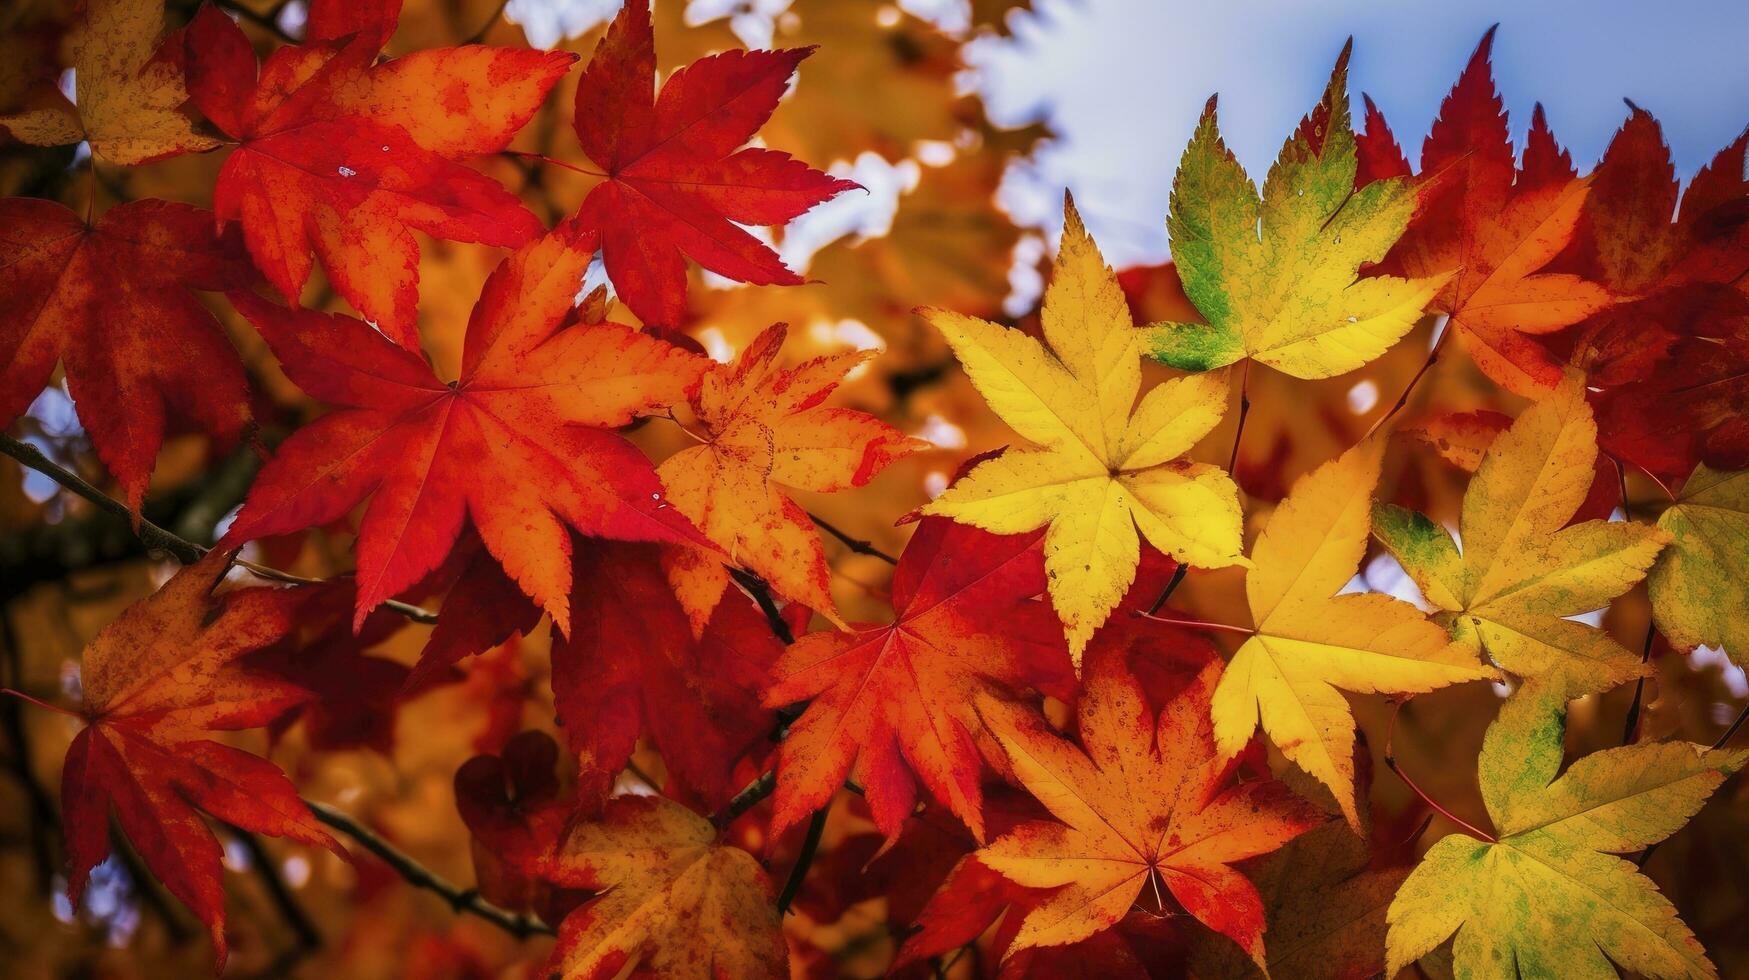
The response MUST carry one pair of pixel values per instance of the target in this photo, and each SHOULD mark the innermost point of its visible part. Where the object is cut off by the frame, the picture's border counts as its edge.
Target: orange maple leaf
(1144, 802)
(519, 443)
(158, 681)
(766, 427)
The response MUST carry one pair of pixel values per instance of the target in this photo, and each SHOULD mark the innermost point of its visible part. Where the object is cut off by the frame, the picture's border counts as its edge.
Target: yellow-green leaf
(1522, 572)
(1700, 585)
(1276, 276)
(1549, 898)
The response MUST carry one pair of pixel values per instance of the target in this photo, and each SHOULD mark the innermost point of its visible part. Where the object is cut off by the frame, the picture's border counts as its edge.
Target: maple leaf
(1107, 465)
(894, 703)
(1548, 898)
(130, 96)
(1462, 439)
(519, 443)
(1493, 227)
(765, 427)
(1311, 644)
(1697, 587)
(678, 180)
(1275, 276)
(1523, 569)
(113, 302)
(673, 901)
(1633, 237)
(632, 667)
(1324, 906)
(515, 814)
(346, 157)
(1145, 803)
(158, 681)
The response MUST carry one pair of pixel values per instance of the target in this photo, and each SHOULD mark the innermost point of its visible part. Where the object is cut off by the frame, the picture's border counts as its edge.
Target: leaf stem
(1633, 719)
(1391, 763)
(57, 709)
(462, 900)
(1403, 399)
(543, 158)
(1198, 624)
(761, 594)
(750, 796)
(1731, 732)
(156, 538)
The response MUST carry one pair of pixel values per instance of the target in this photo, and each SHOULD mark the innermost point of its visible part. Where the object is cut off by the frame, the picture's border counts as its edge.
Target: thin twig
(857, 545)
(460, 899)
(810, 845)
(1403, 399)
(1244, 410)
(1730, 732)
(1633, 719)
(756, 587)
(1171, 587)
(156, 538)
(308, 937)
(750, 796)
(1391, 763)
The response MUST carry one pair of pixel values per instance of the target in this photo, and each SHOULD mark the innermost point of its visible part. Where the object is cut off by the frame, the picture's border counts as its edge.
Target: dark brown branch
(296, 919)
(1171, 587)
(857, 545)
(750, 796)
(761, 594)
(810, 845)
(1633, 719)
(460, 899)
(156, 538)
(1403, 399)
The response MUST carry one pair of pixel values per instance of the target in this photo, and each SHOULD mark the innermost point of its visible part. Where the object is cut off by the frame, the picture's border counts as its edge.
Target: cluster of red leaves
(513, 490)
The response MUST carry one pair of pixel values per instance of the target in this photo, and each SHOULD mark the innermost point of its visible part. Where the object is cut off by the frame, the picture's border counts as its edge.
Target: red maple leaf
(632, 667)
(1494, 226)
(158, 682)
(519, 443)
(346, 156)
(892, 705)
(113, 302)
(678, 177)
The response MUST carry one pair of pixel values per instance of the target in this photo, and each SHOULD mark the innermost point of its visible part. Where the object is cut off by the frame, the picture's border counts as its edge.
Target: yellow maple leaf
(1699, 592)
(1107, 465)
(1275, 275)
(1311, 644)
(1522, 571)
(1547, 898)
(130, 100)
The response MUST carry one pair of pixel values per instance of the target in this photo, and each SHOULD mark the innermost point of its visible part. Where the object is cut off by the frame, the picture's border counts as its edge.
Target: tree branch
(460, 899)
(857, 545)
(750, 796)
(810, 845)
(156, 538)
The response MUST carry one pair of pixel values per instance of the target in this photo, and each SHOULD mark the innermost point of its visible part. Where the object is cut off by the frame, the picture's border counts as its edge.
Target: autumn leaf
(130, 96)
(679, 179)
(1492, 227)
(1548, 898)
(1311, 644)
(1698, 588)
(673, 901)
(764, 428)
(159, 681)
(1144, 802)
(892, 705)
(1462, 439)
(519, 444)
(1275, 276)
(1523, 569)
(1636, 239)
(632, 668)
(346, 156)
(113, 302)
(1107, 465)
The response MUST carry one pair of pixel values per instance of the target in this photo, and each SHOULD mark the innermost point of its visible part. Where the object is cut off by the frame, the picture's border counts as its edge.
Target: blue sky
(1122, 81)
